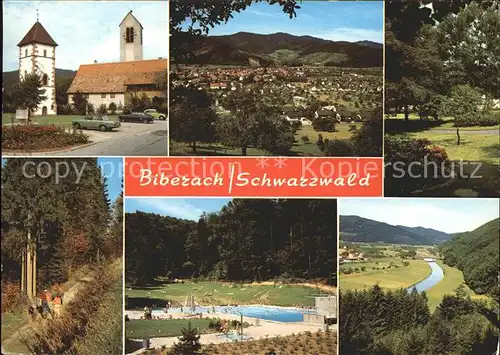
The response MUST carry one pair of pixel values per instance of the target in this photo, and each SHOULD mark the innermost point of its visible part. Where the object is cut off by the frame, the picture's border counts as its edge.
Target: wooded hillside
(247, 240)
(476, 253)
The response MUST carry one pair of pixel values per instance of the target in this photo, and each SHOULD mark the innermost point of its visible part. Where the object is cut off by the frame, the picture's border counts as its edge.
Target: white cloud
(84, 30)
(353, 35)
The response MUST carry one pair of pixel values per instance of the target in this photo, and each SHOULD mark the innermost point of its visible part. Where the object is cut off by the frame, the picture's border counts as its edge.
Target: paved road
(134, 139)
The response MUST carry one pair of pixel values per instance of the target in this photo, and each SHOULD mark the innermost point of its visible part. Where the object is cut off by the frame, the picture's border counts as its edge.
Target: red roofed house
(103, 83)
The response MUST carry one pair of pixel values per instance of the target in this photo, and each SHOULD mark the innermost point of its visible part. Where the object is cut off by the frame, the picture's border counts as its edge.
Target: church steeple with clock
(130, 39)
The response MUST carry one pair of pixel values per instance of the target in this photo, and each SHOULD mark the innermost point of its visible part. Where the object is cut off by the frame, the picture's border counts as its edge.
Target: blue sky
(185, 208)
(336, 21)
(112, 169)
(84, 30)
(447, 215)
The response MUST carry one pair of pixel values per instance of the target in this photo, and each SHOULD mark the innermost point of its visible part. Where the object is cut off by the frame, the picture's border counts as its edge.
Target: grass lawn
(452, 279)
(473, 147)
(156, 328)
(393, 278)
(446, 123)
(58, 120)
(298, 149)
(211, 293)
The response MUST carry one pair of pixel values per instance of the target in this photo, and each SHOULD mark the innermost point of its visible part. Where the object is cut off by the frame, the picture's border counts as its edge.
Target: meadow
(398, 276)
(141, 329)
(299, 148)
(212, 293)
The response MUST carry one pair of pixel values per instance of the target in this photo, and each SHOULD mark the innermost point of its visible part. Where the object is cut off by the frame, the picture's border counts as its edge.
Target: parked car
(95, 121)
(155, 114)
(136, 117)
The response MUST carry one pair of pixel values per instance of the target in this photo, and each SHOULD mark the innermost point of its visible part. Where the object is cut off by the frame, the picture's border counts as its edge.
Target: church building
(37, 53)
(103, 83)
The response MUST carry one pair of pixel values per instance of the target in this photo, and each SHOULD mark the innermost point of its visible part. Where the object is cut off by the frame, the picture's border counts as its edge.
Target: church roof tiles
(114, 77)
(37, 34)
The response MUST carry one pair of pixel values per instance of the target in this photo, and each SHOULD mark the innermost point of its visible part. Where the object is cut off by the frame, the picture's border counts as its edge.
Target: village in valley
(304, 95)
(93, 109)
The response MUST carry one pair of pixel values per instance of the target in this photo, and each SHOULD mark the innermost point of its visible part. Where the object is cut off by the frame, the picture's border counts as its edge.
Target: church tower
(37, 53)
(130, 39)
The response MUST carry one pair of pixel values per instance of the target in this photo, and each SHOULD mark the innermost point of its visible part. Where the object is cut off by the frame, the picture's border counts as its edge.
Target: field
(477, 143)
(305, 343)
(394, 278)
(453, 278)
(58, 120)
(473, 147)
(140, 329)
(402, 276)
(208, 293)
(299, 148)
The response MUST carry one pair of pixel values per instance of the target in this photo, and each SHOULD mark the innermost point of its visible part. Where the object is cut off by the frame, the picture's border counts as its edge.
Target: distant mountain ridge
(9, 78)
(359, 229)
(283, 48)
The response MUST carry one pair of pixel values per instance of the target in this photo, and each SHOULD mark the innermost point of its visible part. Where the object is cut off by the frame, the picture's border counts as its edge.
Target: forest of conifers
(378, 322)
(72, 222)
(247, 240)
(476, 253)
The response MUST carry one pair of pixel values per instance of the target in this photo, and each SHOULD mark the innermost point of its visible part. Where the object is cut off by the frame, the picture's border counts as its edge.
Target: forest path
(71, 289)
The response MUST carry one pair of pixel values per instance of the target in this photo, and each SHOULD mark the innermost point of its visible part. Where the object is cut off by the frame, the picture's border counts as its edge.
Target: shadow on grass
(479, 181)
(141, 302)
(396, 125)
(491, 151)
(132, 346)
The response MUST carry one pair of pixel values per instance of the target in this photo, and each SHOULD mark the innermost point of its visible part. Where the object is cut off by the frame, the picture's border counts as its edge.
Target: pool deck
(265, 329)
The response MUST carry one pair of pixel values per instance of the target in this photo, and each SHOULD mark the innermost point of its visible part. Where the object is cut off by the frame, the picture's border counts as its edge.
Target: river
(436, 275)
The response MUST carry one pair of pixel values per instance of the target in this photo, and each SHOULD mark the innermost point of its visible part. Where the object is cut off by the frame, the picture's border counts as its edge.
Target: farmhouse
(117, 82)
(103, 83)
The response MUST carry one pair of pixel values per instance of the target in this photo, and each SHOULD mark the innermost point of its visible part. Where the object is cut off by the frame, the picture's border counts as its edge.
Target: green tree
(112, 107)
(463, 104)
(189, 342)
(192, 118)
(29, 93)
(80, 103)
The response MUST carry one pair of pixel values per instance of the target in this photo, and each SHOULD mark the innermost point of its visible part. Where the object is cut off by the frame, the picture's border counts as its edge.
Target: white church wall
(130, 51)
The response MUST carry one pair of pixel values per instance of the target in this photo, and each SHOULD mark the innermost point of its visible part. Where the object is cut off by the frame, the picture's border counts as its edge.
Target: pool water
(276, 314)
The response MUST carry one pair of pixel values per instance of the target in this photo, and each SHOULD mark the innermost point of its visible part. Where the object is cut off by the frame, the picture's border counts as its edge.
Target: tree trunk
(244, 150)
(194, 147)
(458, 136)
(23, 272)
(407, 113)
(29, 273)
(34, 269)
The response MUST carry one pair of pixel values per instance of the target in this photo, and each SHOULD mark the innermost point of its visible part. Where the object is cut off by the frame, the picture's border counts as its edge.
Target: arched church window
(129, 35)
(25, 52)
(45, 79)
(44, 52)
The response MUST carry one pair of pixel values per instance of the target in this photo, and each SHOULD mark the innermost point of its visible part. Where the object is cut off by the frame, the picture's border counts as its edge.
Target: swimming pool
(276, 314)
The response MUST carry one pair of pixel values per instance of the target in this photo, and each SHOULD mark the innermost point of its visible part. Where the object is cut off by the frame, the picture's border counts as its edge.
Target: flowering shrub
(34, 137)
